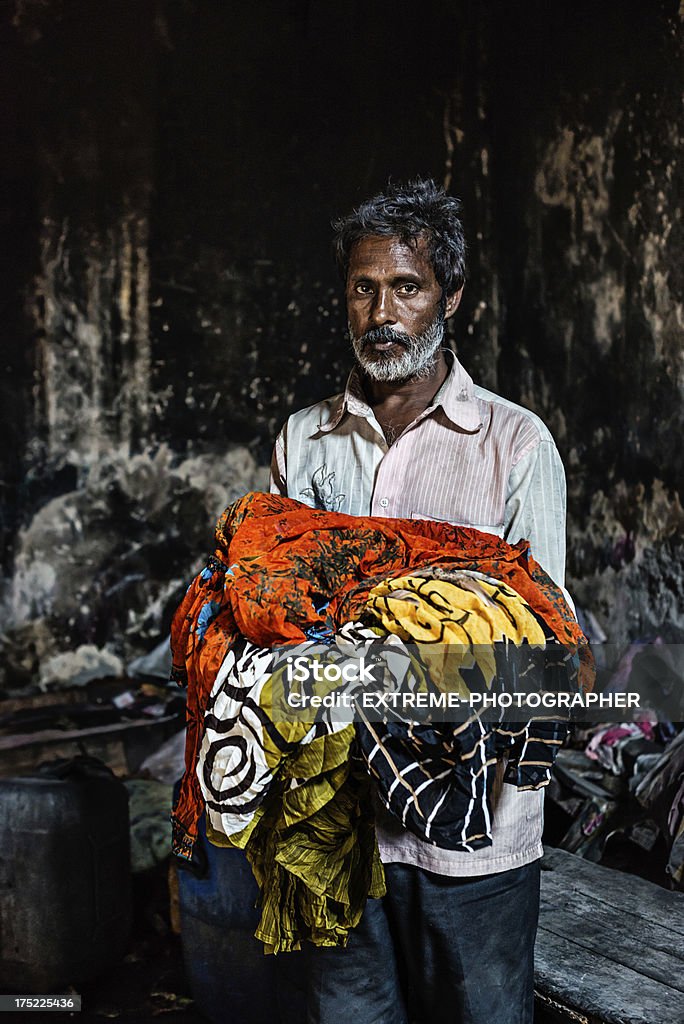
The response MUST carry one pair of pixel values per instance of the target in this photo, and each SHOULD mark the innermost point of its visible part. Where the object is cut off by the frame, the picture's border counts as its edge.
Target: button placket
(384, 482)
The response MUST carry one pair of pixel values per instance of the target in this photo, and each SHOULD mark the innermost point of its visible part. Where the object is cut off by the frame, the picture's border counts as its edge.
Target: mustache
(384, 333)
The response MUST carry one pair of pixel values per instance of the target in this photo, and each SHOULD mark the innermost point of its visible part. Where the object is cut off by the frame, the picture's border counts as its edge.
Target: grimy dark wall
(170, 169)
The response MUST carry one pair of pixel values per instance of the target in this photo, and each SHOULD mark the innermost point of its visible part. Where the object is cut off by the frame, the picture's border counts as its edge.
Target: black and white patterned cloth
(436, 778)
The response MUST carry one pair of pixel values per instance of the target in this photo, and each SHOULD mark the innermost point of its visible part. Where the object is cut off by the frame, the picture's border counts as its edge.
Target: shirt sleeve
(278, 479)
(535, 507)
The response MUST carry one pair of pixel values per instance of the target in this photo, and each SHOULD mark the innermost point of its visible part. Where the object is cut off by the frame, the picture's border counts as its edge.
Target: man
(412, 436)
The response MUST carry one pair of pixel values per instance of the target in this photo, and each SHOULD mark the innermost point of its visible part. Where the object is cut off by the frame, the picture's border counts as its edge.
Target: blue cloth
(435, 950)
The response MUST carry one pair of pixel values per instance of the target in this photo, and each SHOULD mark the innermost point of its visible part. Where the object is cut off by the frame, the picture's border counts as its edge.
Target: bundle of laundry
(290, 791)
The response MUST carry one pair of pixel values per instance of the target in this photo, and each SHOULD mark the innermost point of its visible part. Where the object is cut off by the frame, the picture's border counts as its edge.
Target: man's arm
(535, 507)
(278, 480)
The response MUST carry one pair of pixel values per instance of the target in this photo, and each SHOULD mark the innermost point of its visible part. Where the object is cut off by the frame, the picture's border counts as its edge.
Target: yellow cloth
(311, 846)
(463, 616)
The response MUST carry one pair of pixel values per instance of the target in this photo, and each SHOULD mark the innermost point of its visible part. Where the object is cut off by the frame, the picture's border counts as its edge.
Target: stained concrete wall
(170, 175)
(591, 243)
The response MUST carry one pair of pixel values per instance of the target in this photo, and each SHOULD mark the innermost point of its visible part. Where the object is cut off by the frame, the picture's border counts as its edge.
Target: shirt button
(384, 502)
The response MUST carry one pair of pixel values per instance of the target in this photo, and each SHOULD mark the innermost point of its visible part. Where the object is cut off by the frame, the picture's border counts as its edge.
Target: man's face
(395, 310)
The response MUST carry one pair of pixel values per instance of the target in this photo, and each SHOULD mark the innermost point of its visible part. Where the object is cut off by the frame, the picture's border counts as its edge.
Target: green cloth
(313, 849)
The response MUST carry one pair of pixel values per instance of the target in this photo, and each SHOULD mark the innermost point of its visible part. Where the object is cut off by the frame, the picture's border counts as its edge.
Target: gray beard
(415, 362)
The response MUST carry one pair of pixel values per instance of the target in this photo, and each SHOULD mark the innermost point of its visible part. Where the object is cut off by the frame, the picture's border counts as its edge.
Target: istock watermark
(303, 669)
(380, 678)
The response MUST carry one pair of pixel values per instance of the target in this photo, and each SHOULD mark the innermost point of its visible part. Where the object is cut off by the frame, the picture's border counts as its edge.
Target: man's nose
(382, 310)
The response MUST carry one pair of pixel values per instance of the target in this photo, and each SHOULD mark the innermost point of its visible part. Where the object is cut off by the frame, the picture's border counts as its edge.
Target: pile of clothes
(295, 792)
(660, 790)
(648, 751)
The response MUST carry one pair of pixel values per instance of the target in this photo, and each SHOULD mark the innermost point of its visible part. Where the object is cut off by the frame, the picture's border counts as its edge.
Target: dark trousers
(435, 950)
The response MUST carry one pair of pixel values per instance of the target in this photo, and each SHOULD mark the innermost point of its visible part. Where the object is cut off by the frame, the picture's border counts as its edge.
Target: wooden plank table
(123, 746)
(610, 946)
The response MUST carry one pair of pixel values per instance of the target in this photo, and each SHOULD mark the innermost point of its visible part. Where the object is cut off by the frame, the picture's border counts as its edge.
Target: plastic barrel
(65, 904)
(232, 980)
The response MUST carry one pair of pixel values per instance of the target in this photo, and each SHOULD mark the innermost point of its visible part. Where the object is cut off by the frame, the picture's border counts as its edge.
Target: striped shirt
(471, 458)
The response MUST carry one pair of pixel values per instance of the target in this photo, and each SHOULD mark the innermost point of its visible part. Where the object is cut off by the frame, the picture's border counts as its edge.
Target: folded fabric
(244, 747)
(287, 792)
(438, 606)
(438, 779)
(284, 573)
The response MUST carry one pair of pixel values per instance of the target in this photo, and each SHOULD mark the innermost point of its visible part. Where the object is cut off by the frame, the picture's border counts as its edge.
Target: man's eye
(408, 289)
(363, 289)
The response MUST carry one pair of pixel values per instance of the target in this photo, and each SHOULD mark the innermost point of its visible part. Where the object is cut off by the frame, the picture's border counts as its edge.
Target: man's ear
(452, 303)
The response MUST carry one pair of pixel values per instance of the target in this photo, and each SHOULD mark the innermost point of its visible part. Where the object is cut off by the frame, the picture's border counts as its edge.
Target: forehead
(381, 256)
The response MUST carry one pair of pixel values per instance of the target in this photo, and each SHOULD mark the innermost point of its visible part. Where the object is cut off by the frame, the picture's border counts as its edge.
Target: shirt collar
(456, 397)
